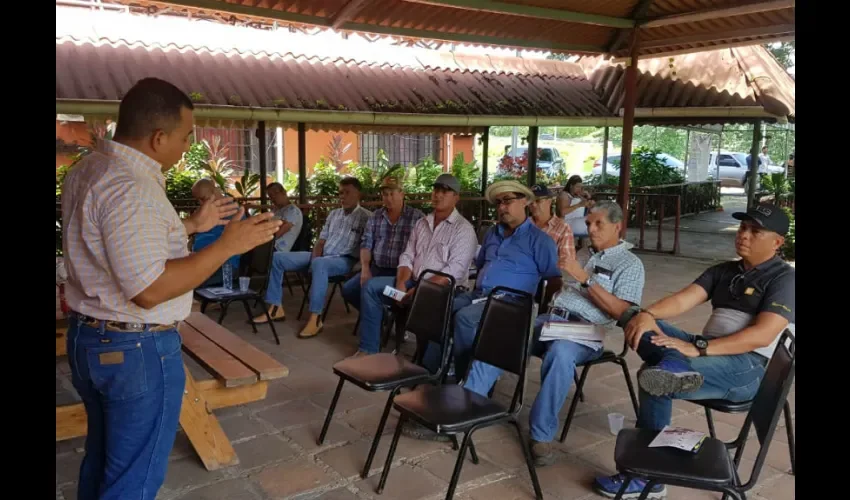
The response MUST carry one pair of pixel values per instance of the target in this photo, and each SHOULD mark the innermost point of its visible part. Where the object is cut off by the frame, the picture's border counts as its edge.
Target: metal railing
(652, 207)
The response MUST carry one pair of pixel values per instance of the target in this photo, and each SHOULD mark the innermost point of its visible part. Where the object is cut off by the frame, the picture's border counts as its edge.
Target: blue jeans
(372, 300)
(321, 269)
(351, 289)
(560, 358)
(131, 385)
(734, 377)
(465, 322)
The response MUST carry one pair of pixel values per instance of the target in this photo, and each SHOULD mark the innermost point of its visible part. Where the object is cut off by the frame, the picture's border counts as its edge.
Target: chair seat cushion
(724, 406)
(380, 372)
(711, 463)
(449, 408)
(207, 295)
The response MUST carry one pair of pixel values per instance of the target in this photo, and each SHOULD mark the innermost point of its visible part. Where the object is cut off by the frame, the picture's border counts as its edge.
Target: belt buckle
(135, 327)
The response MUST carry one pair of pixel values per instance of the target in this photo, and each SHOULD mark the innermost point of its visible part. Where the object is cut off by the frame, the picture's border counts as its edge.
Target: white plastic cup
(615, 422)
(244, 283)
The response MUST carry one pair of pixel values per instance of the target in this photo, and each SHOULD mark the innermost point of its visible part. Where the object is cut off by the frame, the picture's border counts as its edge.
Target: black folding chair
(503, 340)
(606, 357)
(429, 317)
(712, 468)
(255, 264)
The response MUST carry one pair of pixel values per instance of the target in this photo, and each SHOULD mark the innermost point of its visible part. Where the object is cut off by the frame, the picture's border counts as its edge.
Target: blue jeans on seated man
(735, 378)
(131, 385)
(321, 269)
(372, 301)
(560, 358)
(351, 289)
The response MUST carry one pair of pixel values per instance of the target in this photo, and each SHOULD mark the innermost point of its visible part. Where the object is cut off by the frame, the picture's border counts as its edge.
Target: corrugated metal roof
(741, 76)
(510, 23)
(104, 70)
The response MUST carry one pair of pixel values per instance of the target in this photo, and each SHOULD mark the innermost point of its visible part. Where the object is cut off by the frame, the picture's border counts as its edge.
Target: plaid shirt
(342, 232)
(617, 270)
(387, 240)
(561, 232)
(448, 248)
(119, 229)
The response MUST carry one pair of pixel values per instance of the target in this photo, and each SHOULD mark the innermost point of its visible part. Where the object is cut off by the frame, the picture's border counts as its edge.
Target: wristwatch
(587, 282)
(701, 343)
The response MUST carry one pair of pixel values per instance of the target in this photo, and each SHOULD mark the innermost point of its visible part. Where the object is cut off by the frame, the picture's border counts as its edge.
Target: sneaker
(542, 453)
(417, 431)
(609, 486)
(669, 377)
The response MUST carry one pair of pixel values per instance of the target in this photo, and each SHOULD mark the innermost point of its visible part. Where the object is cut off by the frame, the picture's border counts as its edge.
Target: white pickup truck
(733, 168)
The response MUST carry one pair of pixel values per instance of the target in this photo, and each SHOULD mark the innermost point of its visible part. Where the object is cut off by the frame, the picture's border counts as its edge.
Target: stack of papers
(680, 438)
(220, 290)
(580, 332)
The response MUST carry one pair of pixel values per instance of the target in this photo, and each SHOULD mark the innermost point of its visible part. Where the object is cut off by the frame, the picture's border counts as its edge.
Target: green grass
(577, 155)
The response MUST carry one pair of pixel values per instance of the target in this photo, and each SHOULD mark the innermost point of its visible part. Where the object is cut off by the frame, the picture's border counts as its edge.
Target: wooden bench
(241, 373)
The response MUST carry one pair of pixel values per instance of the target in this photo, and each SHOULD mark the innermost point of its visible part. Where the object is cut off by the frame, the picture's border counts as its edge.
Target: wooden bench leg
(203, 430)
(71, 421)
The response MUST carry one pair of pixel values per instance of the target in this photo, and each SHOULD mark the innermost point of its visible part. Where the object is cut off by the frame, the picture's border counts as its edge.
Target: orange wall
(463, 144)
(317, 146)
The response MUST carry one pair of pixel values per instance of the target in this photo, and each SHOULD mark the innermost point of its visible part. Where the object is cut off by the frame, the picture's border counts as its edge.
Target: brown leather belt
(118, 326)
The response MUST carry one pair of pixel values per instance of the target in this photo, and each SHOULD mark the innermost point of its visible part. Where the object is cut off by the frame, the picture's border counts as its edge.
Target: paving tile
(307, 435)
(262, 451)
(338, 494)
(295, 477)
(189, 473)
(234, 489)
(243, 426)
(567, 478)
(348, 460)
(291, 414)
(405, 483)
(442, 465)
(351, 398)
(509, 489)
(68, 467)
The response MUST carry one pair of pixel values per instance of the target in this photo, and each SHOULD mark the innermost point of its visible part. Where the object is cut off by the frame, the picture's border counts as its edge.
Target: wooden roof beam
(347, 13)
(497, 7)
(781, 30)
(709, 14)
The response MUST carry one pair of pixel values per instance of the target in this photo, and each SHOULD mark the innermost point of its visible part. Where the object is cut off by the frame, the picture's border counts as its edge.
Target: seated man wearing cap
(443, 241)
(383, 241)
(752, 303)
(555, 227)
(610, 283)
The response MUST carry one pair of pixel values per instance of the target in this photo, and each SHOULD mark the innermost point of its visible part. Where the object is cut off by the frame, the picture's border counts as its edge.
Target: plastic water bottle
(227, 276)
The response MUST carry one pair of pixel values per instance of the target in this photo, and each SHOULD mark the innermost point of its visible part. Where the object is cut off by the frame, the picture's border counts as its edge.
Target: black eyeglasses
(505, 201)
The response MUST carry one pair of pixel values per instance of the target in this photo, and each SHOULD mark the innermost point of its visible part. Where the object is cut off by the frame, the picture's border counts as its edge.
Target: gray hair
(613, 211)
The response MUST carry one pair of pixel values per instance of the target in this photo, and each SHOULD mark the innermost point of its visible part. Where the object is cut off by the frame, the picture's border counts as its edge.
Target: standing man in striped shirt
(130, 281)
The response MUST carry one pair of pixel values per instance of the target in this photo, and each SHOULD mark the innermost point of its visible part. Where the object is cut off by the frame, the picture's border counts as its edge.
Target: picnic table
(240, 375)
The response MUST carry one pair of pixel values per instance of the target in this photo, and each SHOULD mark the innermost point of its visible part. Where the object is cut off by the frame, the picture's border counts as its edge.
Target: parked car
(549, 160)
(613, 167)
(733, 168)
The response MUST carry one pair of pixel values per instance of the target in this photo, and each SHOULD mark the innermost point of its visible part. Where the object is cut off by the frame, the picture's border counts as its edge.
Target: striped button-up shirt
(119, 229)
(342, 232)
(387, 240)
(561, 232)
(448, 248)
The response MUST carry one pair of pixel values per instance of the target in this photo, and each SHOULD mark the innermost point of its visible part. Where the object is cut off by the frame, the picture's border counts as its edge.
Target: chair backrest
(430, 313)
(303, 242)
(504, 335)
(257, 263)
(770, 400)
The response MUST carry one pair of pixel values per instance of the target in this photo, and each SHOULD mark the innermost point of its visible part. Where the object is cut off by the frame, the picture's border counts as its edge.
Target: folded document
(577, 331)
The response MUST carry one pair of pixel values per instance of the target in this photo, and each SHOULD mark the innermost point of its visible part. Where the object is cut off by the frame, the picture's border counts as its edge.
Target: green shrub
(789, 248)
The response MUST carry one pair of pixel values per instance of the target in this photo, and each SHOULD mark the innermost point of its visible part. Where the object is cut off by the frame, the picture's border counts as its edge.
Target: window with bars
(241, 146)
(400, 148)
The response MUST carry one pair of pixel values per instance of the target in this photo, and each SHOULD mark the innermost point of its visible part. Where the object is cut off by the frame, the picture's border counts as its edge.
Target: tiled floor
(276, 438)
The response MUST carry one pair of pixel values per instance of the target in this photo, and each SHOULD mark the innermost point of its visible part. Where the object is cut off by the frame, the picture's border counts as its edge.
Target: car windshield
(741, 157)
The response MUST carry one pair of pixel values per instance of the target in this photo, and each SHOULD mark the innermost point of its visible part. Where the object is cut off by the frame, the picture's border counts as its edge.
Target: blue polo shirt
(518, 261)
(207, 238)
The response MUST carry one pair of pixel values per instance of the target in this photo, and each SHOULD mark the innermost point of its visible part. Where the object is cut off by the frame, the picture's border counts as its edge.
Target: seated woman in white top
(571, 205)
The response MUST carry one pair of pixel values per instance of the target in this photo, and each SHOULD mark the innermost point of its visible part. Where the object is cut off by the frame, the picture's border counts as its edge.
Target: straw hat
(502, 187)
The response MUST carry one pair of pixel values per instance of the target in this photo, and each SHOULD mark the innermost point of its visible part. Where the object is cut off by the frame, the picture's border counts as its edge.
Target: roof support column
(628, 128)
(753, 175)
(532, 155)
(261, 137)
(302, 163)
(485, 150)
(605, 156)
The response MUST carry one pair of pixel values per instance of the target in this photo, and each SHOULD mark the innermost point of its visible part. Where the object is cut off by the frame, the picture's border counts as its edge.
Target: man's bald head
(205, 189)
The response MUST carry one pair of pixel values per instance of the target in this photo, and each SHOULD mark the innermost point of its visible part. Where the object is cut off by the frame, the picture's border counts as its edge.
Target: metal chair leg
(458, 465)
(224, 306)
(356, 325)
(250, 316)
(390, 454)
(710, 420)
(789, 428)
(331, 409)
(574, 403)
(204, 304)
(626, 481)
(580, 394)
(377, 439)
(531, 470)
(647, 489)
(472, 452)
(630, 386)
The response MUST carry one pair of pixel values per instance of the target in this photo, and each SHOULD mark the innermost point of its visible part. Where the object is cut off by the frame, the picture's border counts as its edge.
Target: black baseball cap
(767, 216)
(541, 191)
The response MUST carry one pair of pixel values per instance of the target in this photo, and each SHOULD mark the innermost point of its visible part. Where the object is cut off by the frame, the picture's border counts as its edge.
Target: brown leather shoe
(542, 453)
(275, 312)
(312, 328)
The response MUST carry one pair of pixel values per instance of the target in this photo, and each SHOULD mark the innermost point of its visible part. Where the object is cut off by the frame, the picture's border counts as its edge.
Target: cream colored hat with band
(502, 187)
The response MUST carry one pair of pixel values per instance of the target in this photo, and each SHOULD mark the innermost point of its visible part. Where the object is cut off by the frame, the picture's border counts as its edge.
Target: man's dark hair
(351, 181)
(152, 104)
(275, 185)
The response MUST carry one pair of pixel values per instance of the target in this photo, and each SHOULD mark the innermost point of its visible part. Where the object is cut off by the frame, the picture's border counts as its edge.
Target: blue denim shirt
(518, 261)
